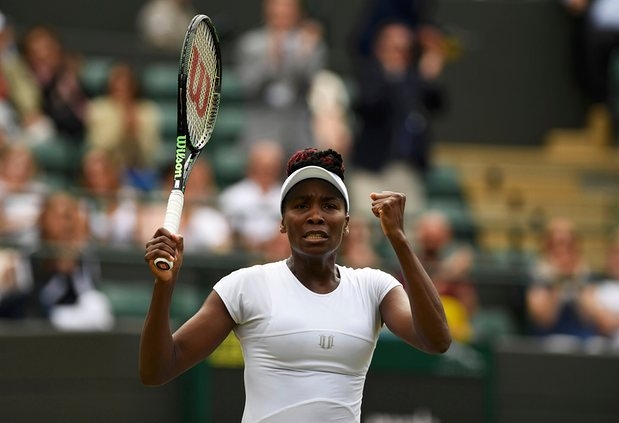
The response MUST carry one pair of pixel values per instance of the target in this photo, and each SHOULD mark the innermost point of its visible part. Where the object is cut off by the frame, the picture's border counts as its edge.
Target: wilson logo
(197, 78)
(326, 342)
(181, 146)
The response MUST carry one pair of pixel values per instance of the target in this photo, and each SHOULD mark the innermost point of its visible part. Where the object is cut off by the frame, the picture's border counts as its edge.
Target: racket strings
(202, 86)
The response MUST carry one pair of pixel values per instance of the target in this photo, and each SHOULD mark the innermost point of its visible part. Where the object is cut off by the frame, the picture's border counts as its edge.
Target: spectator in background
(252, 204)
(20, 97)
(559, 274)
(358, 247)
(203, 225)
(416, 14)
(600, 301)
(329, 103)
(595, 41)
(162, 23)
(22, 190)
(276, 64)
(57, 73)
(397, 94)
(12, 283)
(596, 38)
(127, 125)
(60, 275)
(450, 264)
(110, 202)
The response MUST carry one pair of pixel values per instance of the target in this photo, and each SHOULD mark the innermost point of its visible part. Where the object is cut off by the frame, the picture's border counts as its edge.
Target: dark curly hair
(329, 159)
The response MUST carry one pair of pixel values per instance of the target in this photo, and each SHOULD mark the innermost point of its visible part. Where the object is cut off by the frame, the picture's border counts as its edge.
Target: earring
(346, 230)
(282, 228)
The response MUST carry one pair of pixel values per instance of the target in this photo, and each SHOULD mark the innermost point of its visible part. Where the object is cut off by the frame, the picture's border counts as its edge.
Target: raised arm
(414, 313)
(163, 355)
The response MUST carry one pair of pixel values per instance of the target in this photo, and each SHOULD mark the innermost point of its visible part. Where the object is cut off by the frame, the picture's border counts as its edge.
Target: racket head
(200, 71)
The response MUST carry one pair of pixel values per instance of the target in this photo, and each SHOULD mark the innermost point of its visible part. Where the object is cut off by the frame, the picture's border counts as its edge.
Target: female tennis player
(307, 326)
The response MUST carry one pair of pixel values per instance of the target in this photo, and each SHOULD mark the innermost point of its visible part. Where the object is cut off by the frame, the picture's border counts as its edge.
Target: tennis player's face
(314, 217)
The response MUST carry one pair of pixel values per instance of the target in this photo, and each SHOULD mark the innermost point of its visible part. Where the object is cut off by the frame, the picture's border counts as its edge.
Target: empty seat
(94, 73)
(59, 156)
(168, 110)
(442, 181)
(160, 81)
(230, 122)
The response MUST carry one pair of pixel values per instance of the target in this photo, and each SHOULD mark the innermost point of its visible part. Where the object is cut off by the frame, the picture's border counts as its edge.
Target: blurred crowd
(114, 191)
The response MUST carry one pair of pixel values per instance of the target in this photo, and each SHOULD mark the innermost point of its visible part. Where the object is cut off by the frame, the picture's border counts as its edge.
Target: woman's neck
(320, 276)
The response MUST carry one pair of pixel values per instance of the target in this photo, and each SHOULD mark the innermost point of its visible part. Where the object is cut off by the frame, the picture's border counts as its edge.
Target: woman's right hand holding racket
(164, 244)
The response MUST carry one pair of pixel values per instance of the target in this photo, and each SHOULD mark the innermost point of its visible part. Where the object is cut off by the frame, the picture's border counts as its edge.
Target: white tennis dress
(306, 354)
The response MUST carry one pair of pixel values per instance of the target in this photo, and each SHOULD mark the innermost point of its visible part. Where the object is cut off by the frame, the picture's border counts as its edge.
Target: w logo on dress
(199, 94)
(326, 342)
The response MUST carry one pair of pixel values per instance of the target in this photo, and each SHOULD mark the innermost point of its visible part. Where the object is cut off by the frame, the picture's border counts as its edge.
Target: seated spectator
(600, 301)
(22, 190)
(20, 97)
(558, 275)
(12, 283)
(58, 279)
(276, 64)
(449, 263)
(252, 204)
(203, 226)
(128, 125)
(110, 202)
(57, 73)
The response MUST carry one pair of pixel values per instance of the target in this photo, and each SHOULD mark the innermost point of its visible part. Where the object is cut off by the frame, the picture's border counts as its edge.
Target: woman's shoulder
(365, 273)
(251, 280)
(254, 271)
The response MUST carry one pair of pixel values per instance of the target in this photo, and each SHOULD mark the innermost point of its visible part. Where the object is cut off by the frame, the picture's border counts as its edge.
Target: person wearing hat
(307, 326)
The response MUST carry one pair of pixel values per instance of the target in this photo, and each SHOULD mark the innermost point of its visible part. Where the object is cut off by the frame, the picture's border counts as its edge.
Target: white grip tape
(172, 222)
(174, 211)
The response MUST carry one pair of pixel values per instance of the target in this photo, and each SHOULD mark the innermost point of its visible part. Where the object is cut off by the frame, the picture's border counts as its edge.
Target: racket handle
(172, 221)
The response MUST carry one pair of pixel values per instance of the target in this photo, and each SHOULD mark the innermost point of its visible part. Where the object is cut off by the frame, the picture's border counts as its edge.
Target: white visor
(317, 172)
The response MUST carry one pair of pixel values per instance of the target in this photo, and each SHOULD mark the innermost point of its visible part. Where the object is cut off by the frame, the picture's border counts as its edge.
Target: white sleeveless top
(306, 354)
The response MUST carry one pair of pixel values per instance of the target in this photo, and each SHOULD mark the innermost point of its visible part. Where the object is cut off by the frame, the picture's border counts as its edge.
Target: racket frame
(186, 151)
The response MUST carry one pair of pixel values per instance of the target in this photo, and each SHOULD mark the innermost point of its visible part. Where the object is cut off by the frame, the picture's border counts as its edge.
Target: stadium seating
(160, 80)
(94, 72)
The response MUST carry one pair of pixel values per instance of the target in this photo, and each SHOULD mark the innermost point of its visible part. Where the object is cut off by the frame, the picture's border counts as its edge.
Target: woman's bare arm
(415, 313)
(163, 355)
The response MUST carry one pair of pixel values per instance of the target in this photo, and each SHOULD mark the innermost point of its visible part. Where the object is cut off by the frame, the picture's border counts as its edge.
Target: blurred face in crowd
(122, 83)
(18, 168)
(201, 183)
(265, 164)
(433, 233)
(394, 47)
(42, 49)
(101, 176)
(560, 236)
(281, 15)
(61, 220)
(561, 245)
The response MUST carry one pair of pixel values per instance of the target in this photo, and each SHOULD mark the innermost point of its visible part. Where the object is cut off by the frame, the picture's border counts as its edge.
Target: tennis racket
(199, 88)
